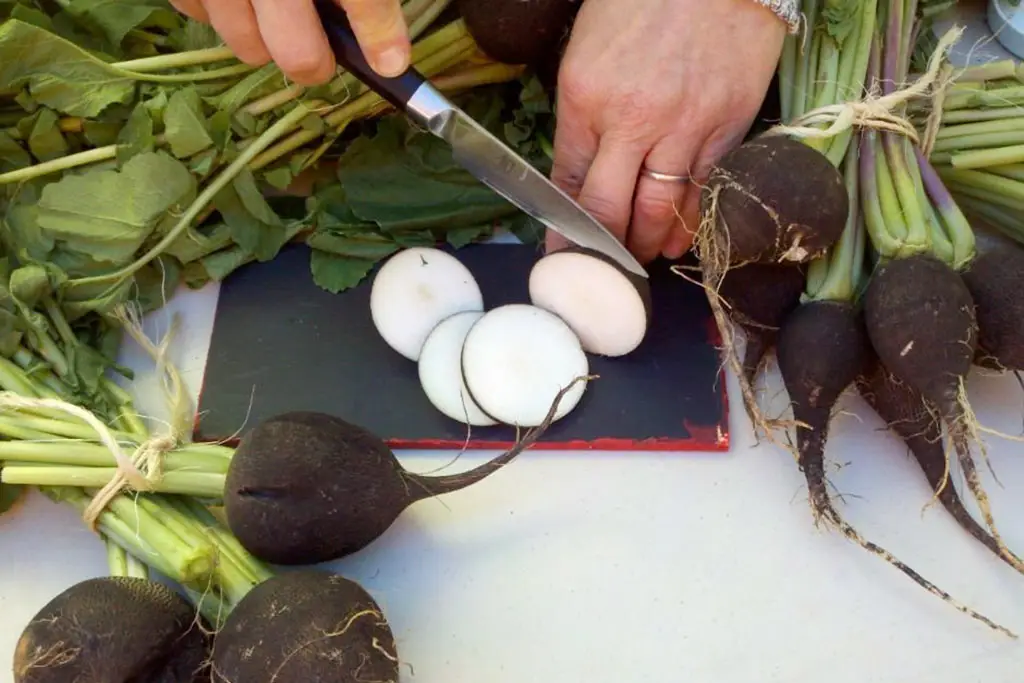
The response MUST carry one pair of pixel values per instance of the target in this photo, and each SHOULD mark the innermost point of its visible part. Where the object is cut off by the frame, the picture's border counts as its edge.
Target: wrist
(788, 11)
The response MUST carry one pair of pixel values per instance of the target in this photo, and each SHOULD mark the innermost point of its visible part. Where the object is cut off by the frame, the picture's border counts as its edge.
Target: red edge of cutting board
(706, 438)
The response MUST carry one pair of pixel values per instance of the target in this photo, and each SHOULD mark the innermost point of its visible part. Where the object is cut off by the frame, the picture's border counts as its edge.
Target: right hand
(289, 32)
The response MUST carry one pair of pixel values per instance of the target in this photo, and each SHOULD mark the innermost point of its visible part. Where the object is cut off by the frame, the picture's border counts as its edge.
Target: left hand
(667, 84)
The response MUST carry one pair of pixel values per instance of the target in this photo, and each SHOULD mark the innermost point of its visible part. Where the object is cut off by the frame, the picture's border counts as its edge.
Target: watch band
(787, 10)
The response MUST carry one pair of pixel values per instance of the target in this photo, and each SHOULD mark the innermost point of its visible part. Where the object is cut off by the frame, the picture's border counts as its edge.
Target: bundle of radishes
(840, 245)
(505, 365)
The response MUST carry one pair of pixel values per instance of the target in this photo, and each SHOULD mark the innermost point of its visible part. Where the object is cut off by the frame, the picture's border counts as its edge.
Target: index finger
(380, 30)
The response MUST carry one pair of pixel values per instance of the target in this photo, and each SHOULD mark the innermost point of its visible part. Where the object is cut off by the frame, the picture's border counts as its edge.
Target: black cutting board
(281, 343)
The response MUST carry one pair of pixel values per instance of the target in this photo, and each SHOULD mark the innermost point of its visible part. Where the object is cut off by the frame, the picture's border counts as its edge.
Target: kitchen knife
(473, 146)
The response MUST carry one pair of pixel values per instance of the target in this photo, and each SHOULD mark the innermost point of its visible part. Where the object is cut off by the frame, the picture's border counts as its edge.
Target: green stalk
(144, 536)
(974, 98)
(1006, 222)
(253, 568)
(123, 563)
(805, 62)
(1014, 171)
(1003, 125)
(839, 273)
(984, 114)
(983, 141)
(787, 77)
(178, 60)
(200, 484)
(983, 158)
(986, 195)
(82, 454)
(1007, 187)
(230, 578)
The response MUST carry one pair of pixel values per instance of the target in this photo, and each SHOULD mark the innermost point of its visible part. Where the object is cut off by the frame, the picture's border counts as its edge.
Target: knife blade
(474, 147)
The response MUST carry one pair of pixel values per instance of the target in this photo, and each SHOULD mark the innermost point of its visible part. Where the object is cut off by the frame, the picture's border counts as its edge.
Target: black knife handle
(397, 90)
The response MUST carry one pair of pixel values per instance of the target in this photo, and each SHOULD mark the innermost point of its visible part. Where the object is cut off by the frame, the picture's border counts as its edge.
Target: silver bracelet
(787, 10)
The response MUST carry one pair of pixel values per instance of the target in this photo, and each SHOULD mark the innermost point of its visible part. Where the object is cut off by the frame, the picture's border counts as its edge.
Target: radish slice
(517, 358)
(441, 370)
(608, 307)
(414, 291)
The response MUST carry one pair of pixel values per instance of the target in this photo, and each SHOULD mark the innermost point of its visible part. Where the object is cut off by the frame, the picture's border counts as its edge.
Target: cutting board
(280, 343)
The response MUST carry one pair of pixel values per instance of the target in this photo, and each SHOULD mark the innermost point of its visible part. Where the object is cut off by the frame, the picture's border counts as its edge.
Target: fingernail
(390, 62)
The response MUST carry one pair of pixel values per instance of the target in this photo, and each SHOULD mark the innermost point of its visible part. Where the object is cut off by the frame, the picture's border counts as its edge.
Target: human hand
(290, 34)
(666, 85)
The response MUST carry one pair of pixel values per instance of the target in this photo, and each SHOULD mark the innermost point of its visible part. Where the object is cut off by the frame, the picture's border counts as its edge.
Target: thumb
(380, 30)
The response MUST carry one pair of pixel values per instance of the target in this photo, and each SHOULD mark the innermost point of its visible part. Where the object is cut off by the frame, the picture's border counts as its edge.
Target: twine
(878, 112)
(142, 470)
(150, 453)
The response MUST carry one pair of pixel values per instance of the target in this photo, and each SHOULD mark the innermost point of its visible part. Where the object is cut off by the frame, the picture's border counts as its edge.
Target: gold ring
(664, 177)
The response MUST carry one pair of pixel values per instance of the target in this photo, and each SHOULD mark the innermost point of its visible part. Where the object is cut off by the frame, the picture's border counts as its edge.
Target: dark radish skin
(907, 414)
(773, 199)
(529, 32)
(758, 297)
(307, 487)
(921, 320)
(996, 280)
(304, 626)
(822, 349)
(113, 629)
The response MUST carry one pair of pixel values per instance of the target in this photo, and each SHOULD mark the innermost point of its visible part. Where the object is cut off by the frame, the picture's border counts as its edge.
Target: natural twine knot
(882, 112)
(144, 469)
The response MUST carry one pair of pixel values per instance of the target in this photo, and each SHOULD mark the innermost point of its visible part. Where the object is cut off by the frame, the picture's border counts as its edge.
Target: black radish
(307, 487)
(822, 349)
(758, 297)
(113, 629)
(910, 417)
(753, 213)
(996, 281)
(519, 31)
(921, 320)
(306, 626)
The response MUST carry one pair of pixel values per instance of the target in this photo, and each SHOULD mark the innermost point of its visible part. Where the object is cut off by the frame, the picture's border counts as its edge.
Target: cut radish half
(440, 368)
(608, 307)
(414, 291)
(515, 360)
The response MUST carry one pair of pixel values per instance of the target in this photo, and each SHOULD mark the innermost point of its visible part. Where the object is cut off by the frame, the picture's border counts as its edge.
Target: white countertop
(604, 567)
(638, 567)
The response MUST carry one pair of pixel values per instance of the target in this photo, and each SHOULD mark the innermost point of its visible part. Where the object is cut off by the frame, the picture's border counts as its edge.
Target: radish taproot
(822, 350)
(910, 417)
(440, 370)
(307, 487)
(303, 626)
(414, 290)
(605, 305)
(517, 358)
(114, 629)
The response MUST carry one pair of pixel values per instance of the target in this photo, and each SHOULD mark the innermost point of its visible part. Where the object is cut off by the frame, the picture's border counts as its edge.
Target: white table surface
(599, 567)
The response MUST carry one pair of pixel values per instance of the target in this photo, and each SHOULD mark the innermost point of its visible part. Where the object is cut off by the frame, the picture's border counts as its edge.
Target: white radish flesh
(516, 359)
(440, 370)
(607, 307)
(414, 291)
